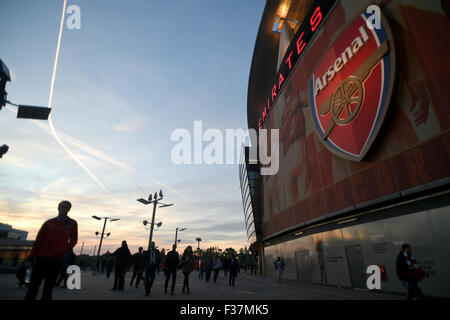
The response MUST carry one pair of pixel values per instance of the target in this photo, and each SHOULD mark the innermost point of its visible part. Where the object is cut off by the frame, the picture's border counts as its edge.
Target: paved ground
(248, 287)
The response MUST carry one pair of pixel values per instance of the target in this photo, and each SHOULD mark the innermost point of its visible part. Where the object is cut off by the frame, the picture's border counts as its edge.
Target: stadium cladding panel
(363, 117)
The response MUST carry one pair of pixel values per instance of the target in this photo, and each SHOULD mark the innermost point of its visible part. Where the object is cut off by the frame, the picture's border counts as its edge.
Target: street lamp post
(101, 238)
(25, 112)
(155, 202)
(176, 233)
(198, 240)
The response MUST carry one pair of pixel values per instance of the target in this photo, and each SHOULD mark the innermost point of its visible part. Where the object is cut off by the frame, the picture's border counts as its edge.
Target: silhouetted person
(102, 270)
(122, 262)
(109, 266)
(81, 264)
(201, 268)
(234, 267)
(226, 267)
(152, 260)
(21, 274)
(172, 261)
(69, 259)
(409, 271)
(137, 267)
(56, 237)
(217, 264)
(279, 267)
(209, 265)
(187, 264)
(164, 267)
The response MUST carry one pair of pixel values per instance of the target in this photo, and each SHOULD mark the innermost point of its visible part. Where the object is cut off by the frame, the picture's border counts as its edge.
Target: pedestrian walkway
(248, 287)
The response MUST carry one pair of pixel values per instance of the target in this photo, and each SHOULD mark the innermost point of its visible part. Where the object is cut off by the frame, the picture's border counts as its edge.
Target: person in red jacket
(56, 237)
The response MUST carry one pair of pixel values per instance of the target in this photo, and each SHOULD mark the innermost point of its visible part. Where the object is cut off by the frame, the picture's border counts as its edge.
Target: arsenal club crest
(351, 87)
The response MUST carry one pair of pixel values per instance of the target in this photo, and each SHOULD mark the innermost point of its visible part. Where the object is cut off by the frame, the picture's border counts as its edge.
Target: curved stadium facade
(355, 181)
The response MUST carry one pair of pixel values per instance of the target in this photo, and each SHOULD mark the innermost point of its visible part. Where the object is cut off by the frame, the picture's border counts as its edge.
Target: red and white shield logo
(351, 87)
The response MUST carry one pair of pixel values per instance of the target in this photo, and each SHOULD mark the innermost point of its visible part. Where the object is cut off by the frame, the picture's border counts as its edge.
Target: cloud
(89, 149)
(149, 74)
(171, 189)
(132, 123)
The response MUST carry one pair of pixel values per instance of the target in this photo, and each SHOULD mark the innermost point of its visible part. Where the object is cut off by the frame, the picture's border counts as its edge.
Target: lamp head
(3, 149)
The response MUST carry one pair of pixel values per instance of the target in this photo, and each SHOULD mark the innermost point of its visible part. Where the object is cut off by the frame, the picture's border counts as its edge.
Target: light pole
(81, 252)
(155, 202)
(25, 112)
(198, 240)
(156, 226)
(176, 233)
(101, 238)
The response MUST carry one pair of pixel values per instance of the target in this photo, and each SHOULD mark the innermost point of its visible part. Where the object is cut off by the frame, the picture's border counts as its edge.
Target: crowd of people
(52, 254)
(145, 264)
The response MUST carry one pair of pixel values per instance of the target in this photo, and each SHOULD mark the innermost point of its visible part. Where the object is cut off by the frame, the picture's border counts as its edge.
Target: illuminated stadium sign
(310, 26)
(351, 87)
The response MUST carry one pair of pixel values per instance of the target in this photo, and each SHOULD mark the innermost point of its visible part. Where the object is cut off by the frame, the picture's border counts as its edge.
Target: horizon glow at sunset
(124, 83)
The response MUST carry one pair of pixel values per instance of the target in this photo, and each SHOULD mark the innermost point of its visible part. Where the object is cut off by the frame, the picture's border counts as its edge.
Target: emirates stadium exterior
(362, 104)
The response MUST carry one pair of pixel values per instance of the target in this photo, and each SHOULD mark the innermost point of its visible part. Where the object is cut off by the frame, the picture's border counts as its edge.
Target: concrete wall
(380, 242)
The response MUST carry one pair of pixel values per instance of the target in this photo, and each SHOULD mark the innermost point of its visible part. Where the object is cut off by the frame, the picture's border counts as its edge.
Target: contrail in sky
(52, 84)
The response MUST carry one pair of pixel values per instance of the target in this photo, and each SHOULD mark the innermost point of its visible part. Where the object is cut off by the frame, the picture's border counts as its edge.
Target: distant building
(7, 232)
(14, 247)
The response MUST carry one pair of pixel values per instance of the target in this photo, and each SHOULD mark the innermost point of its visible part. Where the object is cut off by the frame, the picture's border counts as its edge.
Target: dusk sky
(133, 73)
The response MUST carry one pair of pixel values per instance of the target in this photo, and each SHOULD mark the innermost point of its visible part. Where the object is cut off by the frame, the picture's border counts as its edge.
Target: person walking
(187, 264)
(137, 267)
(279, 267)
(209, 265)
(201, 268)
(152, 260)
(102, 270)
(54, 239)
(21, 274)
(123, 260)
(109, 266)
(233, 271)
(226, 267)
(172, 262)
(164, 267)
(409, 272)
(217, 264)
